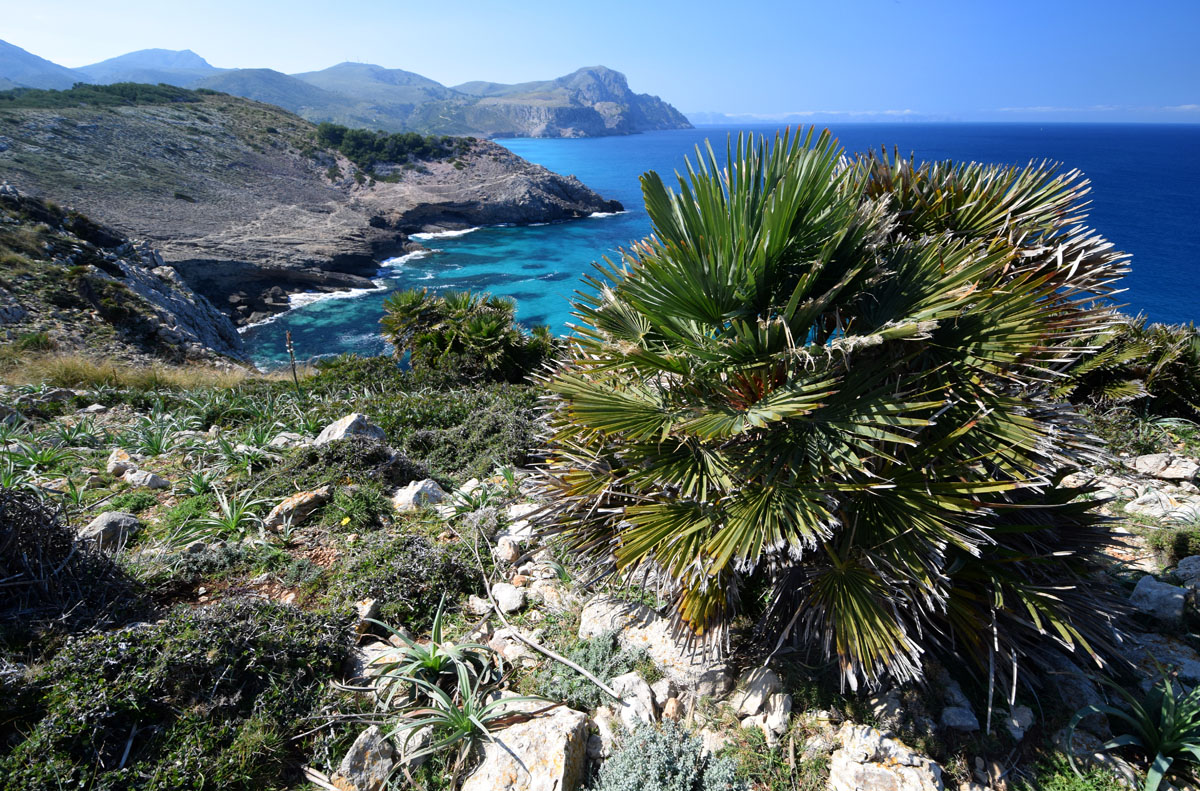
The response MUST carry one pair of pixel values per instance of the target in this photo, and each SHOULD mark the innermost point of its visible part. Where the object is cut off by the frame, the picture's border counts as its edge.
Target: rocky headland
(240, 199)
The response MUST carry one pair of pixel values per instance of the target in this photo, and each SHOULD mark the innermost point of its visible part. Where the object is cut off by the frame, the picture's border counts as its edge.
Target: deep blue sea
(1145, 199)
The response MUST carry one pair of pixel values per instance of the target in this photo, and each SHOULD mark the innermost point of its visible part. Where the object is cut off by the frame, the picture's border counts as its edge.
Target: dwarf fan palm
(823, 377)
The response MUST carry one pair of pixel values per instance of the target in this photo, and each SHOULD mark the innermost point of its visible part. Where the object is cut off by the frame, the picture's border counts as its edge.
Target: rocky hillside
(243, 202)
(68, 284)
(589, 102)
(271, 527)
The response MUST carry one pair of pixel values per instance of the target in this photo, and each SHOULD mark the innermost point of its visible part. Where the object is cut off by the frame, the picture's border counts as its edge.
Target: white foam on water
(311, 298)
(442, 234)
(598, 214)
(401, 260)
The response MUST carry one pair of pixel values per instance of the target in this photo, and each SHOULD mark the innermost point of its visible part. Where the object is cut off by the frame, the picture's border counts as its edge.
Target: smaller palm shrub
(1164, 726)
(665, 758)
(1153, 366)
(473, 335)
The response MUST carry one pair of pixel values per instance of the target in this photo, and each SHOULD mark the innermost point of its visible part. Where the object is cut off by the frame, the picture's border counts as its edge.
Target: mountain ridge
(589, 102)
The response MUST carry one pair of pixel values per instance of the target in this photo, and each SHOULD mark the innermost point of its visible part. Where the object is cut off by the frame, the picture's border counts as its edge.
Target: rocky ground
(72, 286)
(343, 530)
(239, 199)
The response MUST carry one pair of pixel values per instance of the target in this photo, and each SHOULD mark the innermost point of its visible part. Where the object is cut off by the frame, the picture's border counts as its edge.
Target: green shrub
(131, 502)
(214, 562)
(366, 148)
(600, 656)
(827, 382)
(119, 93)
(1172, 544)
(353, 460)
(207, 698)
(408, 574)
(665, 758)
(359, 508)
(186, 510)
(34, 342)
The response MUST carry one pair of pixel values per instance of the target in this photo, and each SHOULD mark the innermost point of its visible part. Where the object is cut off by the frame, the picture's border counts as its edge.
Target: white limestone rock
(871, 761)
(546, 753)
(354, 424)
(638, 626)
(509, 598)
(417, 494)
(110, 530)
(368, 763)
(637, 700)
(146, 480)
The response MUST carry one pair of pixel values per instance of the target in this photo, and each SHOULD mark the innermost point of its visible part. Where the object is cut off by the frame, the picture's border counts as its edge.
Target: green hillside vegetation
(367, 149)
(82, 94)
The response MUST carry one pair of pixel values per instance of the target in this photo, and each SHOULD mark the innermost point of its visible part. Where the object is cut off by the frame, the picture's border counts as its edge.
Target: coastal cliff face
(241, 201)
(70, 284)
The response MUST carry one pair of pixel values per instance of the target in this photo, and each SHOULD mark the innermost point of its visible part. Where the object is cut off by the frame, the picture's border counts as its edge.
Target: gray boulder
(545, 753)
(871, 761)
(417, 494)
(297, 507)
(959, 718)
(637, 700)
(111, 529)
(1167, 466)
(146, 479)
(1188, 571)
(120, 462)
(509, 598)
(1018, 721)
(354, 424)
(1163, 601)
(368, 764)
(755, 687)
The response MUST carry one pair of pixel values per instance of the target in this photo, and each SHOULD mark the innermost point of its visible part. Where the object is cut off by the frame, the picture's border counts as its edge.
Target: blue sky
(1047, 60)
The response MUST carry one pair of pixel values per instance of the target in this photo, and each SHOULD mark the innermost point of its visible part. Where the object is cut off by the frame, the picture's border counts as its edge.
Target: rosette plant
(816, 396)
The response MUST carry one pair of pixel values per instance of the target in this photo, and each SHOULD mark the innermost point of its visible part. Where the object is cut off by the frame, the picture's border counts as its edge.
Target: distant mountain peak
(593, 100)
(157, 59)
(28, 70)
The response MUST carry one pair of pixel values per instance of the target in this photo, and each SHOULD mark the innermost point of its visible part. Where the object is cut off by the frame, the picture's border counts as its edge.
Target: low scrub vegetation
(366, 149)
(119, 93)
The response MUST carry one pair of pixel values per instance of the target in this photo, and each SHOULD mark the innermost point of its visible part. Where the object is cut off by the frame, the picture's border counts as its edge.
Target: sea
(1145, 199)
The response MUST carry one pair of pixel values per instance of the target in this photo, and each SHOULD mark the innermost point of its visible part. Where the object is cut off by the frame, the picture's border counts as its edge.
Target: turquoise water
(1145, 200)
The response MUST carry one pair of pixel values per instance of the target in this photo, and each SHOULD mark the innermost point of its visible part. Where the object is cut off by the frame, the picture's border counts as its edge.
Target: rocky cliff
(70, 284)
(243, 203)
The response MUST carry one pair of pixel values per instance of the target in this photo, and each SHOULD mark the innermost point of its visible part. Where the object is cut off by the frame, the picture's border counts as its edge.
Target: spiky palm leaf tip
(826, 378)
